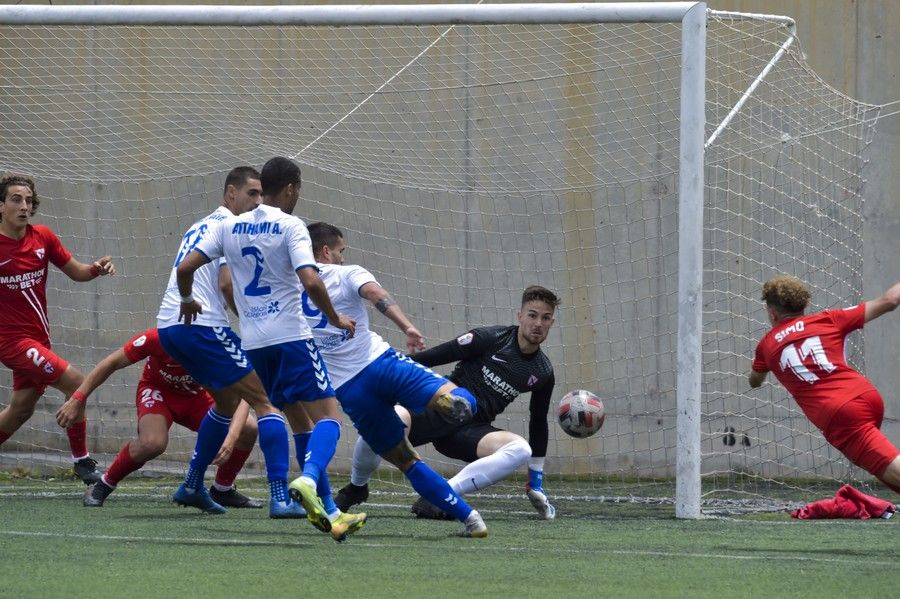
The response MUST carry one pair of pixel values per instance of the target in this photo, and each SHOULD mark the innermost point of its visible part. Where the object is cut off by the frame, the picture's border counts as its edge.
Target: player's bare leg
(20, 409)
(153, 438)
(250, 389)
(210, 435)
(891, 475)
(365, 463)
(223, 490)
(432, 486)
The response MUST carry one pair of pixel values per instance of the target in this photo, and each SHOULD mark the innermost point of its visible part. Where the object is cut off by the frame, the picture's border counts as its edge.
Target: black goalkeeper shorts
(457, 441)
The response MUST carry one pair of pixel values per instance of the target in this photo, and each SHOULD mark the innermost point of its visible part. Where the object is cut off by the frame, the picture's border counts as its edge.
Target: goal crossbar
(428, 14)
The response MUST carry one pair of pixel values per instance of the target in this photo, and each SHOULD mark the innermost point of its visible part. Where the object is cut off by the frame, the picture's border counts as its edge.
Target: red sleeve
(56, 251)
(143, 345)
(849, 319)
(759, 360)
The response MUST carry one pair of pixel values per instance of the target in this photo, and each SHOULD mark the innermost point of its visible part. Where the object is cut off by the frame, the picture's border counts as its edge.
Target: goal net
(465, 162)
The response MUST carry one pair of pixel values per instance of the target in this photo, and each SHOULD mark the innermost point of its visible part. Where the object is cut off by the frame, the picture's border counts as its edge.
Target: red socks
(227, 472)
(121, 467)
(78, 439)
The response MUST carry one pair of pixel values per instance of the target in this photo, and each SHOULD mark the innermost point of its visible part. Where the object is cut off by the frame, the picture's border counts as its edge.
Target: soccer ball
(581, 413)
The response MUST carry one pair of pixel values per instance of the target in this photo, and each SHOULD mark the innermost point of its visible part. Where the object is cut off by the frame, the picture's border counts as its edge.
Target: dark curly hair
(278, 173)
(786, 294)
(541, 294)
(24, 180)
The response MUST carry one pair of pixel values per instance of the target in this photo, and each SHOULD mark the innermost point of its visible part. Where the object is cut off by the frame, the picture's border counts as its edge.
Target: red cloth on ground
(848, 502)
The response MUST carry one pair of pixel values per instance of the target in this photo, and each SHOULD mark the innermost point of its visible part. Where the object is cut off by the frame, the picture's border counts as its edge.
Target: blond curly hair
(787, 294)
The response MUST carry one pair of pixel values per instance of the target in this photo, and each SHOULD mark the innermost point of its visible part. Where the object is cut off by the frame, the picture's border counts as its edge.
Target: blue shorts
(369, 397)
(212, 355)
(292, 371)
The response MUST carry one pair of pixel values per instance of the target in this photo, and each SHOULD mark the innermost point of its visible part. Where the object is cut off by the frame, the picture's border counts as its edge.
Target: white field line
(479, 546)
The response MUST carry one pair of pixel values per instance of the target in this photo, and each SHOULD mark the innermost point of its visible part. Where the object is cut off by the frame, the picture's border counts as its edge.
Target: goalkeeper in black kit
(496, 363)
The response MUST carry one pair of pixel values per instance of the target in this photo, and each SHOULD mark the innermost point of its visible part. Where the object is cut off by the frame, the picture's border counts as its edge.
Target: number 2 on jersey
(253, 289)
(792, 358)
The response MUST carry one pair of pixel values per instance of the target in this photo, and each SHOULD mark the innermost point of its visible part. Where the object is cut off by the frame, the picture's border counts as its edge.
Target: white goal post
(485, 184)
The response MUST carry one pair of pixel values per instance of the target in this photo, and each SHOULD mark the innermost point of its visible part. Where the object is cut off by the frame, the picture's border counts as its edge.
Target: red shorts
(854, 430)
(186, 409)
(33, 363)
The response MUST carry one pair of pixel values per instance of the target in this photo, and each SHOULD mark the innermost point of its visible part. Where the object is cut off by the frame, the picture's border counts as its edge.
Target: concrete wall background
(851, 45)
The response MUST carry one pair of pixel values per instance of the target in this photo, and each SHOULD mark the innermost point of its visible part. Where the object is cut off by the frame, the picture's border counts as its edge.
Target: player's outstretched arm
(884, 304)
(312, 282)
(453, 350)
(538, 439)
(385, 304)
(73, 409)
(234, 431)
(756, 378)
(184, 275)
(81, 272)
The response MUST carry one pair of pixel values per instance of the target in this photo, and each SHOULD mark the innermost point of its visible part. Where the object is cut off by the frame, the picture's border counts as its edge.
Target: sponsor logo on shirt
(465, 339)
(532, 380)
(496, 382)
(256, 312)
(331, 341)
(40, 253)
(184, 382)
(497, 358)
(24, 280)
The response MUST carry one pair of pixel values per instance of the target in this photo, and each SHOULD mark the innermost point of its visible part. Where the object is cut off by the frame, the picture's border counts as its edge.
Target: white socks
(488, 470)
(365, 462)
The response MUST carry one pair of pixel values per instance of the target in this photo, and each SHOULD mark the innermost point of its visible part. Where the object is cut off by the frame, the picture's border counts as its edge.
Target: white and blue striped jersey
(206, 279)
(344, 357)
(264, 248)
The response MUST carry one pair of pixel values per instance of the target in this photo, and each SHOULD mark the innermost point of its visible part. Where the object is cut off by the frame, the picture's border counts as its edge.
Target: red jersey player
(166, 393)
(25, 251)
(806, 354)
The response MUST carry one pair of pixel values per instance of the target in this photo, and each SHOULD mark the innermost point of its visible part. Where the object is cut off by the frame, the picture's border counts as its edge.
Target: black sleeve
(538, 431)
(451, 351)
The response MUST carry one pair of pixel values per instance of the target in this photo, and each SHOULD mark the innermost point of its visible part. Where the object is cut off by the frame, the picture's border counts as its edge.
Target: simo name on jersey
(496, 383)
(794, 327)
(263, 228)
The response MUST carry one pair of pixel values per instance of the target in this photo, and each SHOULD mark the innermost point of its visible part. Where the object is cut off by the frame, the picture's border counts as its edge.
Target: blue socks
(432, 486)
(210, 435)
(320, 448)
(301, 440)
(323, 487)
(273, 441)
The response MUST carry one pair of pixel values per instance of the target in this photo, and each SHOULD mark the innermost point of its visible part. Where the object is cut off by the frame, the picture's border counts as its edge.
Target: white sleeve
(211, 245)
(355, 277)
(299, 245)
